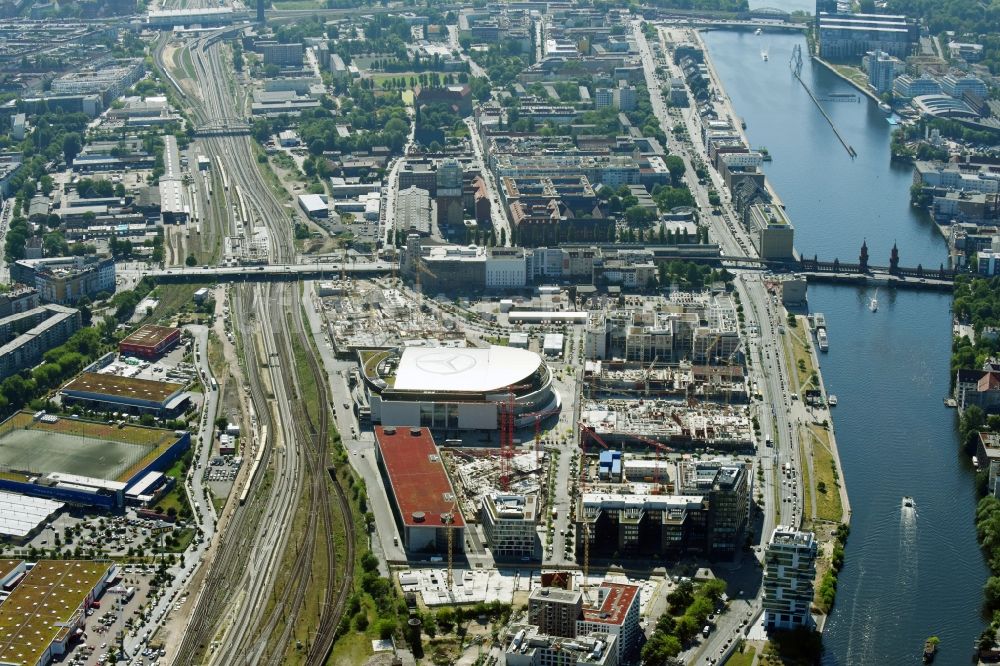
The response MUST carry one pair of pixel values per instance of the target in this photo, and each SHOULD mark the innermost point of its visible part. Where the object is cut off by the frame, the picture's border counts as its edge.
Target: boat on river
(822, 340)
(884, 108)
(832, 400)
(873, 304)
(757, 31)
(907, 502)
(930, 649)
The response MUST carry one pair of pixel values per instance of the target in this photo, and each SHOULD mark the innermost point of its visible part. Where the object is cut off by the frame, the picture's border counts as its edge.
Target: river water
(904, 579)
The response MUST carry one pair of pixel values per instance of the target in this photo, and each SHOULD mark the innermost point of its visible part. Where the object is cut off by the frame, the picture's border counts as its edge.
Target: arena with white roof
(457, 388)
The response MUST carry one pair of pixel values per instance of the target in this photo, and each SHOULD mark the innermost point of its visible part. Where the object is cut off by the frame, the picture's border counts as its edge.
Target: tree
(675, 165)
(71, 145)
(191, 260)
(660, 649)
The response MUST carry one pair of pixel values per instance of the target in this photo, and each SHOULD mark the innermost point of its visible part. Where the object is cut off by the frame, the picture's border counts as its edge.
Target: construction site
(364, 314)
(670, 425)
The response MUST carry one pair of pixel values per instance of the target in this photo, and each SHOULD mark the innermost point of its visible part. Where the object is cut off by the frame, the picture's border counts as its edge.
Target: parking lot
(112, 615)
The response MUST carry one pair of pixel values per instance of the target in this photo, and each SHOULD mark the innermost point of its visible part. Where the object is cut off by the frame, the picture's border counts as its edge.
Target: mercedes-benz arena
(456, 388)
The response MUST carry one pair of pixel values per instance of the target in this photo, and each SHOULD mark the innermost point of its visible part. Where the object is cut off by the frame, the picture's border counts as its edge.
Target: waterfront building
(847, 36)
(882, 69)
(983, 178)
(770, 230)
(789, 572)
(908, 87)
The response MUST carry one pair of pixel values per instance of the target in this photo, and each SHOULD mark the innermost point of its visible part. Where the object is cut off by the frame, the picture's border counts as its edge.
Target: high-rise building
(449, 193)
(789, 571)
(882, 69)
(625, 97)
(604, 98)
(510, 523)
(260, 11)
(555, 611)
(283, 55)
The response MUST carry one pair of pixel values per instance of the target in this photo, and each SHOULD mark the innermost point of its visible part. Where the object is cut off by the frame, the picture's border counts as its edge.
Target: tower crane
(586, 432)
(449, 520)
(649, 373)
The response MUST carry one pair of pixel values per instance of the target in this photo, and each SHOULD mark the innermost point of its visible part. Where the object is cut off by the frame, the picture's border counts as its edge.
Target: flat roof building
(150, 341)
(31, 333)
(423, 501)
(84, 463)
(771, 231)
(529, 646)
(844, 36)
(107, 392)
(789, 572)
(40, 617)
(314, 206)
(510, 523)
(613, 609)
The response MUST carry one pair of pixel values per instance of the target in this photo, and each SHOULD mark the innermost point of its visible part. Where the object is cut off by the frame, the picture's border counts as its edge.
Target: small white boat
(757, 31)
(873, 304)
(832, 400)
(884, 108)
(822, 340)
(907, 502)
(763, 55)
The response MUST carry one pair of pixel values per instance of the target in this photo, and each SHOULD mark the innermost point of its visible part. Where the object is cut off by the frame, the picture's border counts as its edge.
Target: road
(497, 213)
(763, 331)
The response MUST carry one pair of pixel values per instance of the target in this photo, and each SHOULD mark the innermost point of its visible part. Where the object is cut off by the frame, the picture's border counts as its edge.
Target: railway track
(230, 624)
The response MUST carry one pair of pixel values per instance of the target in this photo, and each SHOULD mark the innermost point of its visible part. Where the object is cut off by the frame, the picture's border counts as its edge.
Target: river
(904, 580)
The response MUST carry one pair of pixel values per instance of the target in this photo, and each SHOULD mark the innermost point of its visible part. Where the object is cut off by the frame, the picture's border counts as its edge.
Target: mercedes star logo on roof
(446, 363)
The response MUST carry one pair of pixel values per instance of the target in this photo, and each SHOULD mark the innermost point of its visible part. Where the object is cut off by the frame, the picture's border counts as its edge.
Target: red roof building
(420, 493)
(149, 341)
(613, 608)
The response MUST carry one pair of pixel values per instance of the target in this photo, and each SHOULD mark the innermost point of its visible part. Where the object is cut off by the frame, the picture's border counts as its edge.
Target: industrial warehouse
(457, 388)
(84, 463)
(46, 609)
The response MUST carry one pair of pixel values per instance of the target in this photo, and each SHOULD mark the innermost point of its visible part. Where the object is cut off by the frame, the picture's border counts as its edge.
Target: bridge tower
(894, 260)
(863, 259)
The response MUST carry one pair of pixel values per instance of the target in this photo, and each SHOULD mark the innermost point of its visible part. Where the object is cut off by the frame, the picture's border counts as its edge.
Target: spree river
(904, 579)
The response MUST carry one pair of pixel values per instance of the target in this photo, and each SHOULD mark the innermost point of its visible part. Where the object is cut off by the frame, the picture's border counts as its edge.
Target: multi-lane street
(763, 331)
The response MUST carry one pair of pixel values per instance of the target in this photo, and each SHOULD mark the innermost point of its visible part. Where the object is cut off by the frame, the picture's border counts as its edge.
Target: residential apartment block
(789, 571)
